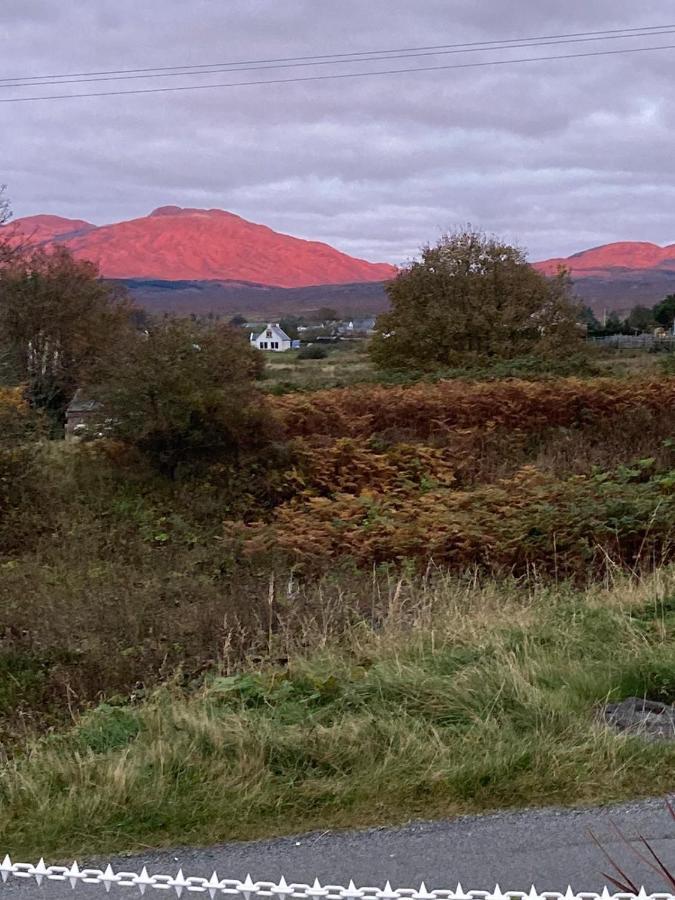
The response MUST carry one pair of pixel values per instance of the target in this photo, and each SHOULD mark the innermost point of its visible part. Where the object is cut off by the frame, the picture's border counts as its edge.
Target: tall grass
(440, 696)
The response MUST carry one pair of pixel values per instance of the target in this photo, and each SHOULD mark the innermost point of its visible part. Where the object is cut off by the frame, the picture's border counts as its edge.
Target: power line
(328, 62)
(337, 75)
(637, 31)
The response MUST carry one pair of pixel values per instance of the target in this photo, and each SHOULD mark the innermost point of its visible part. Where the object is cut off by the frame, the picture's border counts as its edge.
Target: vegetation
(471, 298)
(183, 394)
(394, 700)
(250, 607)
(664, 312)
(313, 352)
(56, 319)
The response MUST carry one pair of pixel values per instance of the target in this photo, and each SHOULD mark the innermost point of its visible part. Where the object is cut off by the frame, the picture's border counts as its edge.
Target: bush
(469, 300)
(312, 352)
(184, 395)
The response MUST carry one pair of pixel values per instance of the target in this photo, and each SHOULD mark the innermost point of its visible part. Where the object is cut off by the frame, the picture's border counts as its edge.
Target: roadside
(549, 847)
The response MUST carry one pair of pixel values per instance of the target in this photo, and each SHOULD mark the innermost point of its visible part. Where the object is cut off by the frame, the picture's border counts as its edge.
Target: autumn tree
(640, 319)
(470, 298)
(184, 394)
(56, 319)
(664, 312)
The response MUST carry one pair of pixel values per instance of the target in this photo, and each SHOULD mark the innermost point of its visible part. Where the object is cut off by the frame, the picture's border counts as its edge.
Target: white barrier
(250, 890)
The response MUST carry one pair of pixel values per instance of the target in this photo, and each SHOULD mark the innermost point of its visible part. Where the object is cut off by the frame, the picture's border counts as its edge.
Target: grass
(345, 364)
(433, 696)
(349, 364)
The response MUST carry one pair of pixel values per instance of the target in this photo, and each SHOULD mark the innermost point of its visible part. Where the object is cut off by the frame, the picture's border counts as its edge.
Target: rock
(648, 718)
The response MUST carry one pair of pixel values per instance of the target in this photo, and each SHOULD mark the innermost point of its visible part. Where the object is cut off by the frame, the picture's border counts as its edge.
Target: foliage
(289, 324)
(640, 319)
(20, 427)
(664, 312)
(588, 318)
(432, 409)
(568, 528)
(56, 318)
(184, 394)
(500, 476)
(432, 697)
(469, 298)
(313, 352)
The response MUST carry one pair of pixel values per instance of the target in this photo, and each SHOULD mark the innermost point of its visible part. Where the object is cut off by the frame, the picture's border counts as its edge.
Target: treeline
(640, 320)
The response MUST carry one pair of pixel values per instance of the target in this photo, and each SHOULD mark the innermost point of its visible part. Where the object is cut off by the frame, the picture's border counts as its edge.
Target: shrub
(312, 352)
(184, 395)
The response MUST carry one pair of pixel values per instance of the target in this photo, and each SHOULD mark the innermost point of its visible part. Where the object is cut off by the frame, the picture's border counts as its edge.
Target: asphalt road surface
(550, 848)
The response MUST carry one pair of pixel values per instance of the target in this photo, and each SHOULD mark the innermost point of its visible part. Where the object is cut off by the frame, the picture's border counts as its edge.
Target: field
(416, 607)
(348, 363)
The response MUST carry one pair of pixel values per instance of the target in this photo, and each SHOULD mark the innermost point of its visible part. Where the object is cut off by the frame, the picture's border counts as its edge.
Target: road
(550, 847)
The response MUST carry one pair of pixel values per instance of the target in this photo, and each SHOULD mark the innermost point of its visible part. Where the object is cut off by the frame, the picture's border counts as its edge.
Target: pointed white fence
(282, 890)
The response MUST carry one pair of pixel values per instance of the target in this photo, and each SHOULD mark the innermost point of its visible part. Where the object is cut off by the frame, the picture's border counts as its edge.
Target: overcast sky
(556, 155)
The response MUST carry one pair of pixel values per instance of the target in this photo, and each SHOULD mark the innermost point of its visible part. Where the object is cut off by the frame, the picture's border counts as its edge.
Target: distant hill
(621, 275)
(253, 300)
(174, 244)
(209, 260)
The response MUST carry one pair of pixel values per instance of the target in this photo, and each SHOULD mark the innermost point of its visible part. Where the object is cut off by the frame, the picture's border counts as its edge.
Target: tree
(588, 318)
(56, 319)
(289, 324)
(238, 320)
(471, 298)
(640, 319)
(9, 246)
(184, 394)
(613, 324)
(664, 312)
(323, 315)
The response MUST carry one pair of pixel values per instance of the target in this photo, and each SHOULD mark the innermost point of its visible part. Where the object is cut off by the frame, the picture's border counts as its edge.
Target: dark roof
(81, 403)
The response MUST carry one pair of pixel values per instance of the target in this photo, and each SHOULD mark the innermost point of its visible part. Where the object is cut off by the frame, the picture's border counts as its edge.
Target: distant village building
(357, 326)
(274, 338)
(83, 415)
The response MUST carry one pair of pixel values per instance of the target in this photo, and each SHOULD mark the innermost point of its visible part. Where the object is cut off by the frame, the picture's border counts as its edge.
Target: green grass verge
(463, 698)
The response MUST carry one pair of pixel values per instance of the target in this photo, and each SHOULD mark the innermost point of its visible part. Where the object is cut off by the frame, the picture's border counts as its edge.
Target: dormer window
(268, 333)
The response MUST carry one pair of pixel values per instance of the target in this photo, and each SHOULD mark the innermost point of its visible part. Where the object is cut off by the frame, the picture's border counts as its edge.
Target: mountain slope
(612, 258)
(619, 276)
(43, 229)
(194, 244)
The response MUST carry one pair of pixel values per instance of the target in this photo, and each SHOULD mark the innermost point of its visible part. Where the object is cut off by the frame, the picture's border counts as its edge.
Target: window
(263, 345)
(268, 333)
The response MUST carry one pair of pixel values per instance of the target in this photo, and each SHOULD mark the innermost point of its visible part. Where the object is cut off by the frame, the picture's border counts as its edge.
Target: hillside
(229, 297)
(198, 260)
(201, 245)
(619, 275)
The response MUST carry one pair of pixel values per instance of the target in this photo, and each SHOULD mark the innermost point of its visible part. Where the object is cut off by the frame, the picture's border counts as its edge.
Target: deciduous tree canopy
(472, 297)
(56, 319)
(184, 393)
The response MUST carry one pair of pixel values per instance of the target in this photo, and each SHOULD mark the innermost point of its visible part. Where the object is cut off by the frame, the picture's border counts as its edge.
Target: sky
(557, 156)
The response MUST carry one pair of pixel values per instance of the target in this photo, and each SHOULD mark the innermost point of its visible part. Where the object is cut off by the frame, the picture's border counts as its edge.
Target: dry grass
(451, 696)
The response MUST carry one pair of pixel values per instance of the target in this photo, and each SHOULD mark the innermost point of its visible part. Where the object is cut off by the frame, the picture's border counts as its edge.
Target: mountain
(201, 260)
(621, 256)
(45, 229)
(175, 244)
(620, 275)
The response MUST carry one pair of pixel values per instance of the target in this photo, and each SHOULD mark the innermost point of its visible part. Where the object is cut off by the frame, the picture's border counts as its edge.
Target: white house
(273, 338)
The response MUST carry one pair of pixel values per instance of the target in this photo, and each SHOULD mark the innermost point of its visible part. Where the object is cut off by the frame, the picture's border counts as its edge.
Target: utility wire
(336, 76)
(637, 31)
(328, 62)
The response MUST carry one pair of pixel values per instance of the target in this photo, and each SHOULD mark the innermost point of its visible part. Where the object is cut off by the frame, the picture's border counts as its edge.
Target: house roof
(277, 331)
(81, 403)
